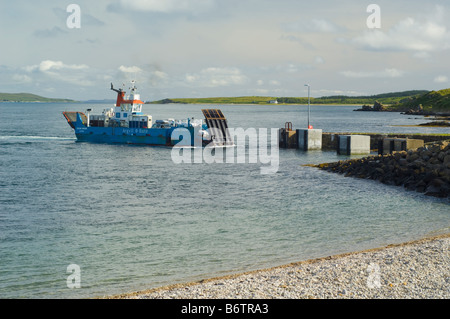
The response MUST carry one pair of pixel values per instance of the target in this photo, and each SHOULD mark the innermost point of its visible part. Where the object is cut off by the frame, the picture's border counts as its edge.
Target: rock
(438, 188)
(377, 106)
(434, 160)
(412, 157)
(421, 187)
(425, 170)
(446, 159)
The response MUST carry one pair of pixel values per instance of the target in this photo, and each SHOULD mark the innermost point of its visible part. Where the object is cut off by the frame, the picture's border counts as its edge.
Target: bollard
(309, 139)
(353, 144)
(390, 145)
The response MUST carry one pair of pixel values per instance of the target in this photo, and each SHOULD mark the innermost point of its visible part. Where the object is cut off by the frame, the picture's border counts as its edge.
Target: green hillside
(219, 100)
(28, 97)
(430, 102)
(387, 98)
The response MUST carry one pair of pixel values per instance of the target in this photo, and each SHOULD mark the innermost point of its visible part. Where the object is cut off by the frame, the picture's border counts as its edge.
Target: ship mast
(120, 95)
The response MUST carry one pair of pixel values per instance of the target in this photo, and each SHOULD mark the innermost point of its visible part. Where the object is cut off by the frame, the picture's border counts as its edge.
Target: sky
(212, 48)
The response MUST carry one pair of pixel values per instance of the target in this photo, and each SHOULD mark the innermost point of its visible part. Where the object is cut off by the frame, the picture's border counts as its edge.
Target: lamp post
(309, 105)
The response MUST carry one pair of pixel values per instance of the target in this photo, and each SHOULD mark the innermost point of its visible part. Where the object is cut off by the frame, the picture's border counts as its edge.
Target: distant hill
(429, 102)
(28, 97)
(105, 101)
(386, 98)
(218, 100)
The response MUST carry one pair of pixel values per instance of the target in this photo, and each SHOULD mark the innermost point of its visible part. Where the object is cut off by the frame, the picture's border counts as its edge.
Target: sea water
(130, 218)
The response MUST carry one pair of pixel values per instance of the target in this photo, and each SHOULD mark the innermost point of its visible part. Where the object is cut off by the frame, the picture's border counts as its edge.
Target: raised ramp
(218, 127)
(71, 118)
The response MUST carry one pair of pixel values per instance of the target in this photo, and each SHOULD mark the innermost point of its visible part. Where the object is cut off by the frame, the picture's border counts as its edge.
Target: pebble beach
(412, 270)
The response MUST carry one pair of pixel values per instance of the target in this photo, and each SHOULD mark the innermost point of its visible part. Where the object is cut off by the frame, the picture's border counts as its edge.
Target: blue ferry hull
(124, 135)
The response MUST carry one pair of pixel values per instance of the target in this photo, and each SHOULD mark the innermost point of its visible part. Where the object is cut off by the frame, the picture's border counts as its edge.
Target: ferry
(125, 123)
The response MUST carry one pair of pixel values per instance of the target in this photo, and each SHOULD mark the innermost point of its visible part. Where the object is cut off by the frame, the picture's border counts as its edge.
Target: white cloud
(49, 33)
(58, 65)
(410, 34)
(321, 25)
(158, 78)
(422, 55)
(48, 66)
(261, 91)
(215, 77)
(325, 92)
(130, 69)
(275, 82)
(144, 75)
(292, 68)
(166, 6)
(58, 70)
(441, 79)
(313, 25)
(160, 74)
(21, 78)
(386, 73)
(319, 60)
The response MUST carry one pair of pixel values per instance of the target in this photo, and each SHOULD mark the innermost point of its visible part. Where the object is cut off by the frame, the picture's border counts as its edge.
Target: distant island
(387, 98)
(28, 97)
(429, 103)
(419, 102)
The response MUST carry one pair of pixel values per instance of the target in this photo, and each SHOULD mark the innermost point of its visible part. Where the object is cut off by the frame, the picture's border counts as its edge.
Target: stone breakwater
(418, 270)
(425, 170)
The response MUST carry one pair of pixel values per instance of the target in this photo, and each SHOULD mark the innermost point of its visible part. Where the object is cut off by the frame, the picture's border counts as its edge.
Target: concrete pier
(316, 139)
(287, 138)
(329, 140)
(309, 139)
(353, 144)
(390, 145)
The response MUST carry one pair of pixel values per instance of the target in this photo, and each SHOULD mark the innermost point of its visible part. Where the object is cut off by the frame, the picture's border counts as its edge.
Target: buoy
(310, 127)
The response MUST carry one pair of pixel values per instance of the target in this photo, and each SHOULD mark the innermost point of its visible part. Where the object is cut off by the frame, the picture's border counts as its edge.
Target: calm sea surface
(132, 219)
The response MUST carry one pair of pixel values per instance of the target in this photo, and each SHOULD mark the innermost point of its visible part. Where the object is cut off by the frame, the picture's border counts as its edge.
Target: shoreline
(424, 169)
(418, 269)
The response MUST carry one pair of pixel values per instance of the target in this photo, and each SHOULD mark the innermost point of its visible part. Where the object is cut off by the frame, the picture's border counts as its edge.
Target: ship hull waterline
(139, 136)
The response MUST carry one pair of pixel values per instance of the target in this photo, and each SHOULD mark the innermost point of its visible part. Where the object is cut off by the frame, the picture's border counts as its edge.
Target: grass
(28, 97)
(387, 98)
(434, 101)
(220, 100)
(431, 101)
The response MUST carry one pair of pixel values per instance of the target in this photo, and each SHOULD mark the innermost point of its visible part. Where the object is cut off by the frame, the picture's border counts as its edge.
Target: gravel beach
(413, 270)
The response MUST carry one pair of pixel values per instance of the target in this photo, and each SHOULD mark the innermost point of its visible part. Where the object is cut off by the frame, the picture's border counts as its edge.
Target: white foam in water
(11, 137)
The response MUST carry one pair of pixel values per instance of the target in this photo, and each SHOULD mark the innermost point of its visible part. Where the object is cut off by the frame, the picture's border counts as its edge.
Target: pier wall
(330, 140)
